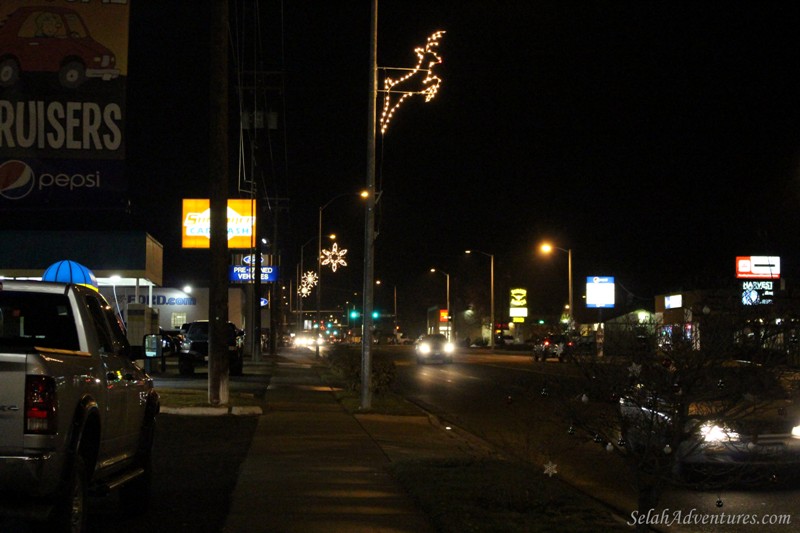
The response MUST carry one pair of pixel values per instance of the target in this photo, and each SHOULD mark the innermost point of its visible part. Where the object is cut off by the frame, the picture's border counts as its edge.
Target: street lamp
(394, 334)
(363, 194)
(548, 248)
(491, 293)
(449, 325)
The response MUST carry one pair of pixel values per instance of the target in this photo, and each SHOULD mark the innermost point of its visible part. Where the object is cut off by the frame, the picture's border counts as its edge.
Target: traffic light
(354, 314)
(376, 314)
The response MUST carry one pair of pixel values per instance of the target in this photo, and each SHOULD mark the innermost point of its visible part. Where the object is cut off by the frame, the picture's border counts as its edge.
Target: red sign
(758, 267)
(442, 315)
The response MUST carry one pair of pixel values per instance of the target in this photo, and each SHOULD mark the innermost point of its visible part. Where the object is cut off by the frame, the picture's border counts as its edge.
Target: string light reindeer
(418, 80)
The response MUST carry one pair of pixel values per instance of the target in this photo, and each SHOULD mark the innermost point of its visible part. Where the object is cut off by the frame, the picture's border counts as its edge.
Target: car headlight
(796, 431)
(448, 348)
(425, 348)
(714, 433)
(185, 345)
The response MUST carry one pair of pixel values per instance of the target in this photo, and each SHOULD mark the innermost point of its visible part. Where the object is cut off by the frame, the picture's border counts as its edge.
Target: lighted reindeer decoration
(418, 80)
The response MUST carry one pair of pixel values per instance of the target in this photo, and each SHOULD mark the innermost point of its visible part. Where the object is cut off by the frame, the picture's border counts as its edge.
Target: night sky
(657, 140)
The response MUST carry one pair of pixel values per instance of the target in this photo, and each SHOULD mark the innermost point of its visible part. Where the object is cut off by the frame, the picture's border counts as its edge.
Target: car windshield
(435, 338)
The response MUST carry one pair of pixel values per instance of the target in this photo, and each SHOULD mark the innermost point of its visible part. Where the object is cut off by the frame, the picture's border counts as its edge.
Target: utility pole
(369, 223)
(218, 392)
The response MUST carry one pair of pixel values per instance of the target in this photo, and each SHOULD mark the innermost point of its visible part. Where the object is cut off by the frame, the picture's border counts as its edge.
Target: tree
(664, 395)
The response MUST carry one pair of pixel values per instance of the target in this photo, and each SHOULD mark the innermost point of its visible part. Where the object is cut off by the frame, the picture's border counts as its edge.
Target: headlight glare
(714, 433)
(425, 348)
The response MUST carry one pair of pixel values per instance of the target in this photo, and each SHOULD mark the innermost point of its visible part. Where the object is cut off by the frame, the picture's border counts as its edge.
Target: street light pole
(491, 295)
(319, 257)
(547, 248)
(449, 322)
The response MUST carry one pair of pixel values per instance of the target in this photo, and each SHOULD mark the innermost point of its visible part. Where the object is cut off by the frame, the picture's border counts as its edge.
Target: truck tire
(69, 512)
(135, 494)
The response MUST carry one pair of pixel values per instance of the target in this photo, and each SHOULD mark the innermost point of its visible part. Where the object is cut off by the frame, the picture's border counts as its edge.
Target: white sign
(600, 291)
(758, 267)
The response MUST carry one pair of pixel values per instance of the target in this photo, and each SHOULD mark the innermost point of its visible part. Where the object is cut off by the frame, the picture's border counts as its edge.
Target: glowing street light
(548, 248)
(491, 293)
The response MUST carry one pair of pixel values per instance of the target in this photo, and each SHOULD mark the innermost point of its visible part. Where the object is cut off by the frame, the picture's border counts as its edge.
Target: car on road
(194, 348)
(740, 421)
(434, 347)
(557, 346)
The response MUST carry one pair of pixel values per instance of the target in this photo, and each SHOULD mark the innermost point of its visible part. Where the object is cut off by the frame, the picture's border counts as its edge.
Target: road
(504, 399)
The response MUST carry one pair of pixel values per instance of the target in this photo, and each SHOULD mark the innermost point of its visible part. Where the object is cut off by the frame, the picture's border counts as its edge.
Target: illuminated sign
(244, 274)
(758, 267)
(197, 223)
(519, 298)
(600, 291)
(518, 302)
(443, 315)
(674, 301)
(758, 292)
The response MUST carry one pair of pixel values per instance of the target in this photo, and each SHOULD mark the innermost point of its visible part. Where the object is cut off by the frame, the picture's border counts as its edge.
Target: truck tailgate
(12, 402)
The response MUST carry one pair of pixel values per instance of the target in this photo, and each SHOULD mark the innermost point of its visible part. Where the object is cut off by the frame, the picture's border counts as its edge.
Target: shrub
(345, 362)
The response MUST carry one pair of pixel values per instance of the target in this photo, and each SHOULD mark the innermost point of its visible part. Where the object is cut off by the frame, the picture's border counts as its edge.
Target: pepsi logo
(16, 180)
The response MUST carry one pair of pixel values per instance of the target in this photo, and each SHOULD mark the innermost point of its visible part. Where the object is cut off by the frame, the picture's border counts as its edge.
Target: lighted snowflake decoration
(550, 469)
(307, 282)
(334, 257)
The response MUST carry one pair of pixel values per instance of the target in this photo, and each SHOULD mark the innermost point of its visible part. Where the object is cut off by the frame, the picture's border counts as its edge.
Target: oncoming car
(434, 347)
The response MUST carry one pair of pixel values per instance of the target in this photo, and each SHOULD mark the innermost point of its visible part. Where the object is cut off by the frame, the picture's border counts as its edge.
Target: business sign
(673, 301)
(62, 103)
(443, 315)
(518, 304)
(758, 292)
(600, 291)
(244, 274)
(758, 267)
(197, 223)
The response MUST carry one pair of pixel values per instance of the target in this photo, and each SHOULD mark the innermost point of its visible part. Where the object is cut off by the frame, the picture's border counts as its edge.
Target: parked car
(52, 39)
(742, 421)
(194, 348)
(434, 347)
(557, 346)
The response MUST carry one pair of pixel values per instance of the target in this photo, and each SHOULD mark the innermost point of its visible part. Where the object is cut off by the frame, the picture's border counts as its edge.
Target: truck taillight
(40, 405)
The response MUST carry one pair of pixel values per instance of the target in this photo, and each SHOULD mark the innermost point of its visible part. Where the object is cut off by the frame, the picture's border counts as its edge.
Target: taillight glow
(40, 405)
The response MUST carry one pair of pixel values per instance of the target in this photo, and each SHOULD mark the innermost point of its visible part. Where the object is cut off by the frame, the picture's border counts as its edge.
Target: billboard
(600, 291)
(758, 267)
(518, 303)
(196, 231)
(62, 103)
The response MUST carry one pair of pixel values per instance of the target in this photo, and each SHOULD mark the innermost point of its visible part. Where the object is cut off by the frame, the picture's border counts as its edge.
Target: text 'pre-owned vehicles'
(76, 413)
(194, 348)
(434, 347)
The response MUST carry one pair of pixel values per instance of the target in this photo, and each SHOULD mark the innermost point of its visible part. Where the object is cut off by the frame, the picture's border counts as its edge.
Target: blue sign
(600, 291)
(244, 274)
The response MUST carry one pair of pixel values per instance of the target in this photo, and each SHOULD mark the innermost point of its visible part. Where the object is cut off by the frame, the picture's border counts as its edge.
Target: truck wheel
(185, 367)
(135, 494)
(69, 512)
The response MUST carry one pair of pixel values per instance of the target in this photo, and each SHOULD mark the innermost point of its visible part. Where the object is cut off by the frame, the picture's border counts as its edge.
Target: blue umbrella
(70, 272)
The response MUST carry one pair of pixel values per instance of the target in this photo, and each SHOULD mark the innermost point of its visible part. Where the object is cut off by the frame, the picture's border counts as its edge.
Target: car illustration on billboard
(52, 40)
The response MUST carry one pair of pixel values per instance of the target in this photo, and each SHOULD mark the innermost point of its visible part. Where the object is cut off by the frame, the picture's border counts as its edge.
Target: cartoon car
(52, 40)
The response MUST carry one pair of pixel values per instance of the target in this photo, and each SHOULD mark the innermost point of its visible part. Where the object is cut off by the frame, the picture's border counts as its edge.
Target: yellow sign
(197, 223)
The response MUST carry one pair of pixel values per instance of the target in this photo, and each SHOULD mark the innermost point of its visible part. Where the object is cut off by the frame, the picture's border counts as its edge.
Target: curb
(242, 410)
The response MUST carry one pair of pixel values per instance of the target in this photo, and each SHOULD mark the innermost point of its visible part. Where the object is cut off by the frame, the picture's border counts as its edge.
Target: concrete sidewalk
(313, 467)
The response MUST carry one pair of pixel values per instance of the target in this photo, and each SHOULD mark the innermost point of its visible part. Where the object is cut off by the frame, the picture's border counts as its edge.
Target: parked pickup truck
(76, 413)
